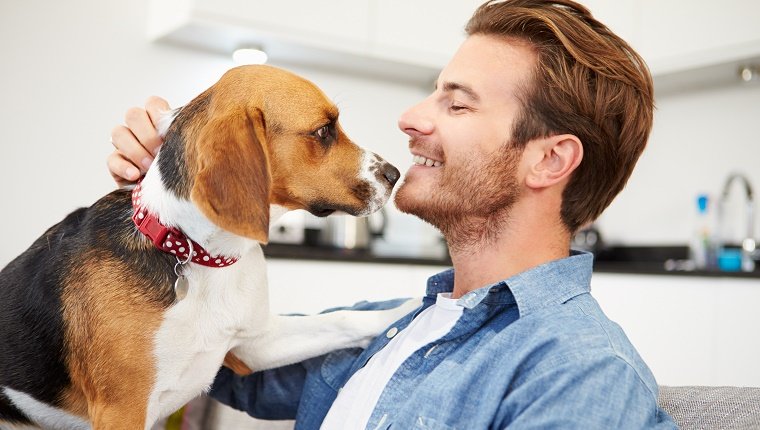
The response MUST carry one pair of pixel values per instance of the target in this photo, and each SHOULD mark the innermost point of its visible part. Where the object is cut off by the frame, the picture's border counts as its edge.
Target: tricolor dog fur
(92, 333)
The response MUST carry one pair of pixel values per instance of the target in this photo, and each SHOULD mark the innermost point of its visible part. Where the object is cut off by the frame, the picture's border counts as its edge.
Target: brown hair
(587, 82)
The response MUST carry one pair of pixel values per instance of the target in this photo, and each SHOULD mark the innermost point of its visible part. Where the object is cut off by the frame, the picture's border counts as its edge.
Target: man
(533, 128)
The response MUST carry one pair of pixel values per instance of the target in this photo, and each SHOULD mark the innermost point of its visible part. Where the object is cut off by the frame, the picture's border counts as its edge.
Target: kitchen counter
(643, 260)
(656, 260)
(305, 252)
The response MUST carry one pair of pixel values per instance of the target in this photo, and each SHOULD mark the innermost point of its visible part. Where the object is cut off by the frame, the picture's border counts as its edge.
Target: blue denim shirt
(532, 351)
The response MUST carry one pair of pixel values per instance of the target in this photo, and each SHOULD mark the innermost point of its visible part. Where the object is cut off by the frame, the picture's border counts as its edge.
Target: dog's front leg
(290, 339)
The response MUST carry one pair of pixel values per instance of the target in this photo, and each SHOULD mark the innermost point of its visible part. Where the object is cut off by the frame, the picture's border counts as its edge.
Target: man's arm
(270, 395)
(275, 394)
(584, 391)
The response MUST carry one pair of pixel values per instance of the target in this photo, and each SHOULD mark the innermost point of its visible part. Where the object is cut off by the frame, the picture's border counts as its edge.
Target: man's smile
(420, 160)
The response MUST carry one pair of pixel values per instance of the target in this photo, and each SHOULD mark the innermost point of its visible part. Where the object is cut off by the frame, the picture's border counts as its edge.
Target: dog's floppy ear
(233, 181)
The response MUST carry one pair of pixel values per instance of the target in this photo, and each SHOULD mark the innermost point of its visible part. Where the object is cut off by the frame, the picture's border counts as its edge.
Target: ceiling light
(750, 73)
(249, 56)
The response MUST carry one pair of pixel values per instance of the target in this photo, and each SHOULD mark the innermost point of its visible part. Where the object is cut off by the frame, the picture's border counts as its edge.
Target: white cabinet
(676, 35)
(425, 31)
(687, 44)
(223, 25)
(684, 42)
(689, 330)
(312, 286)
(682, 34)
(362, 37)
(344, 22)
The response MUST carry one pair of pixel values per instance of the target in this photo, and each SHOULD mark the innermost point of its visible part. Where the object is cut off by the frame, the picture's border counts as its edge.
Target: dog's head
(261, 136)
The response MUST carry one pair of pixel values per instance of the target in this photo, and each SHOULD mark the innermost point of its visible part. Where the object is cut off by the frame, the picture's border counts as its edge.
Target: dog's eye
(323, 133)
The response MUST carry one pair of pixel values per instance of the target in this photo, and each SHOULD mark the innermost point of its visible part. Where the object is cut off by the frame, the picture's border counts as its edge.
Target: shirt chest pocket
(430, 424)
(419, 424)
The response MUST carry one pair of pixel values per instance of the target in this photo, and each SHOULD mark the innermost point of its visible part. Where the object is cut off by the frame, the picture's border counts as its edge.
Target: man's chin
(406, 199)
(419, 204)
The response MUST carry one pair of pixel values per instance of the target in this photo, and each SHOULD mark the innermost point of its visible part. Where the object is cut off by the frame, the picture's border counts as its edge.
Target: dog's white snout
(381, 170)
(381, 176)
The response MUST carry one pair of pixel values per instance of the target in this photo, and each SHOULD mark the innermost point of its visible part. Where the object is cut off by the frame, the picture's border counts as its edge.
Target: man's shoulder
(577, 324)
(573, 333)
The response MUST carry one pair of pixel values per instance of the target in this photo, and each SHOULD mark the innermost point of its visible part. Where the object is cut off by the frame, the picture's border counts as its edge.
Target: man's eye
(457, 108)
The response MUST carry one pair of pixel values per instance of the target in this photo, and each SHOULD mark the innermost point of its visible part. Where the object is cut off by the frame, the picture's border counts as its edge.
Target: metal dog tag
(181, 286)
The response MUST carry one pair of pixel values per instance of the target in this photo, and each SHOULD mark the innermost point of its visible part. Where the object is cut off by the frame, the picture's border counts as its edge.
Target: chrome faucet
(749, 244)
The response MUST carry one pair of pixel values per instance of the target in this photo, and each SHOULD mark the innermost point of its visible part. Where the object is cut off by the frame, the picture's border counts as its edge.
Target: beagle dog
(125, 310)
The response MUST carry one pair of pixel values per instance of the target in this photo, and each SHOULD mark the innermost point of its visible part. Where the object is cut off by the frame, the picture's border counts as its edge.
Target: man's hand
(137, 141)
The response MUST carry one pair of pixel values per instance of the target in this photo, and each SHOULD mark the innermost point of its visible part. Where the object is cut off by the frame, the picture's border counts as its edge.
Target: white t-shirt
(356, 401)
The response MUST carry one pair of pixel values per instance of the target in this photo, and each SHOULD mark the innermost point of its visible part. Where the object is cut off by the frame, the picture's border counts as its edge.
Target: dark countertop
(641, 260)
(656, 260)
(322, 253)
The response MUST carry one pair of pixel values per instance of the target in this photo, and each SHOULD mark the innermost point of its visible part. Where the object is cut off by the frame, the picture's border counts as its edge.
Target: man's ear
(233, 181)
(553, 160)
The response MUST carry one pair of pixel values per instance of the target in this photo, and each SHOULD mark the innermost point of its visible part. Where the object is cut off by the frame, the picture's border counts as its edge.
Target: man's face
(464, 129)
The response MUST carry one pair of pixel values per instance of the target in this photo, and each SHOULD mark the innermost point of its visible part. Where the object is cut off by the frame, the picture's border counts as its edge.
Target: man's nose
(417, 121)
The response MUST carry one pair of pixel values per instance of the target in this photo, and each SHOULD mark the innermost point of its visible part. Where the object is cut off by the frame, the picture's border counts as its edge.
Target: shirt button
(392, 332)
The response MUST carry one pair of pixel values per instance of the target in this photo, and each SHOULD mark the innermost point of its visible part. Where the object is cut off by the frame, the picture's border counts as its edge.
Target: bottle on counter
(700, 247)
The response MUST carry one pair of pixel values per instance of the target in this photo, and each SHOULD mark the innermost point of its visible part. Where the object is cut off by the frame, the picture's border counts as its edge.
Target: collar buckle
(149, 225)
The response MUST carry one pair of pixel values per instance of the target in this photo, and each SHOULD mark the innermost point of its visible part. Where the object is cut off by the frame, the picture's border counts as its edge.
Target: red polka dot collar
(171, 240)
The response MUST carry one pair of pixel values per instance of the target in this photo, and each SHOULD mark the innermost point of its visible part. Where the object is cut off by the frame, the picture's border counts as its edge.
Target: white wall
(698, 139)
(689, 330)
(71, 69)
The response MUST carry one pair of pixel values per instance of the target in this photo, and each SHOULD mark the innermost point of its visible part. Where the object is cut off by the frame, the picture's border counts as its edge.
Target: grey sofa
(694, 407)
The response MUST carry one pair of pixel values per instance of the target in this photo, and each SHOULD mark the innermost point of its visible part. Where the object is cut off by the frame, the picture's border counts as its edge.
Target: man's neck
(524, 243)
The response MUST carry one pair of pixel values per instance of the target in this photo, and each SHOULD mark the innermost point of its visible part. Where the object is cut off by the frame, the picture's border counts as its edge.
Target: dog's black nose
(390, 173)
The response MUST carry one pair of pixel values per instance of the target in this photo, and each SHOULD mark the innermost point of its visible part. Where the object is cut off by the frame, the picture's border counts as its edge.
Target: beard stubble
(470, 202)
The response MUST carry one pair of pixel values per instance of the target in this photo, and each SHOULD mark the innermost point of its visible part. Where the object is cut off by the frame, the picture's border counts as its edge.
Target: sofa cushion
(696, 407)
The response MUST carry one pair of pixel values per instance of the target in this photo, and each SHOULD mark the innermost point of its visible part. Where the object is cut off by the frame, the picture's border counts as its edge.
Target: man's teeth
(422, 161)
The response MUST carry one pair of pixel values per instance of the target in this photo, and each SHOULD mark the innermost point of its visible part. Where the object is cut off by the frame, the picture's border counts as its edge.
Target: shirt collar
(553, 282)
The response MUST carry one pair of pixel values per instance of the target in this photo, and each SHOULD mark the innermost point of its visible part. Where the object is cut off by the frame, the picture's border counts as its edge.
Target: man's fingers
(122, 171)
(139, 123)
(136, 142)
(128, 146)
(156, 108)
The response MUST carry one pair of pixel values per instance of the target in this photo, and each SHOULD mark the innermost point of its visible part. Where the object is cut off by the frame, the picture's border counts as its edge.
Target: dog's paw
(389, 316)
(383, 319)
(409, 306)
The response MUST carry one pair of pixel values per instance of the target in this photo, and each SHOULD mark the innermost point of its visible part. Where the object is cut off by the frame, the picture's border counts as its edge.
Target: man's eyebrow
(456, 86)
